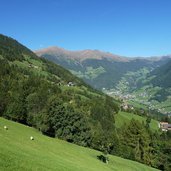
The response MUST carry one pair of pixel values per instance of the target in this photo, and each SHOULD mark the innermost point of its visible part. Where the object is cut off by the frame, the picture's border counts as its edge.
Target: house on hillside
(126, 106)
(165, 126)
(70, 84)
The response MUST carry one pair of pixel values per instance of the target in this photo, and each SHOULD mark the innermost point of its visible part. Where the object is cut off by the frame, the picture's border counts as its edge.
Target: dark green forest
(35, 92)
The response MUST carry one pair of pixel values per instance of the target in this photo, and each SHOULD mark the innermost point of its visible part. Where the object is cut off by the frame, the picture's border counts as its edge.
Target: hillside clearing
(125, 117)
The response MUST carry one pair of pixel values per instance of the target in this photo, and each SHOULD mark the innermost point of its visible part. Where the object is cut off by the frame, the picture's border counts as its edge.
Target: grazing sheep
(5, 127)
(31, 138)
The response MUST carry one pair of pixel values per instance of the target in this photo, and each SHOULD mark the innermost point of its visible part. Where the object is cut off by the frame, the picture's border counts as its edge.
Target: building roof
(169, 125)
(163, 122)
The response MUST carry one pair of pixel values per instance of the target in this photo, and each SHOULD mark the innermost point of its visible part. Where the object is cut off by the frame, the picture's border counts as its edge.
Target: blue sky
(124, 27)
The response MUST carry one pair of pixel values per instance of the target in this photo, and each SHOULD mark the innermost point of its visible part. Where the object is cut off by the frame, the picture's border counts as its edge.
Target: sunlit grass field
(19, 153)
(125, 117)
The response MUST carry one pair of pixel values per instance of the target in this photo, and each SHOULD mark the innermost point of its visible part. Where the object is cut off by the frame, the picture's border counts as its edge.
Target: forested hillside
(161, 80)
(162, 76)
(39, 93)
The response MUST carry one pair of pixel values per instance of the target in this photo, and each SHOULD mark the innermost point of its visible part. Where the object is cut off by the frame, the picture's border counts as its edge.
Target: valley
(136, 88)
(131, 79)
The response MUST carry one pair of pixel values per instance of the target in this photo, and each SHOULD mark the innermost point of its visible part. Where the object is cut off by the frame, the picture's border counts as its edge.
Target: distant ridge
(92, 54)
(80, 55)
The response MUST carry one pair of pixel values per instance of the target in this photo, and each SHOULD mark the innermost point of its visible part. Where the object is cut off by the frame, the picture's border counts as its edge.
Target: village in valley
(142, 99)
(129, 101)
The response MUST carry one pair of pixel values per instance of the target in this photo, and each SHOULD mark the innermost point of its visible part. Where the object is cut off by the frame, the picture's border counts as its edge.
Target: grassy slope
(124, 117)
(18, 152)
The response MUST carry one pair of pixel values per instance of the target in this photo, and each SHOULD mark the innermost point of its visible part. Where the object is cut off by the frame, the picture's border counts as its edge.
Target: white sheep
(31, 138)
(5, 127)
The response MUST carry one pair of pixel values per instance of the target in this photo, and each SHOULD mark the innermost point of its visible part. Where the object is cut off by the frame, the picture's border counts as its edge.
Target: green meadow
(125, 117)
(19, 153)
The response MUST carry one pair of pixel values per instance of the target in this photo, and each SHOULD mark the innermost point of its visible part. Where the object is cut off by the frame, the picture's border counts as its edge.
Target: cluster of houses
(165, 126)
(126, 106)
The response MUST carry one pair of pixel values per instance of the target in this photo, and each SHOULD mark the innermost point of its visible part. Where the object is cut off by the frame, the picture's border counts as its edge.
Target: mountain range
(97, 68)
(119, 75)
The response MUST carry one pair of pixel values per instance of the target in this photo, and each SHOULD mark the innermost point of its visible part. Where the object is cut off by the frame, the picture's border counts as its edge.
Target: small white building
(125, 106)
